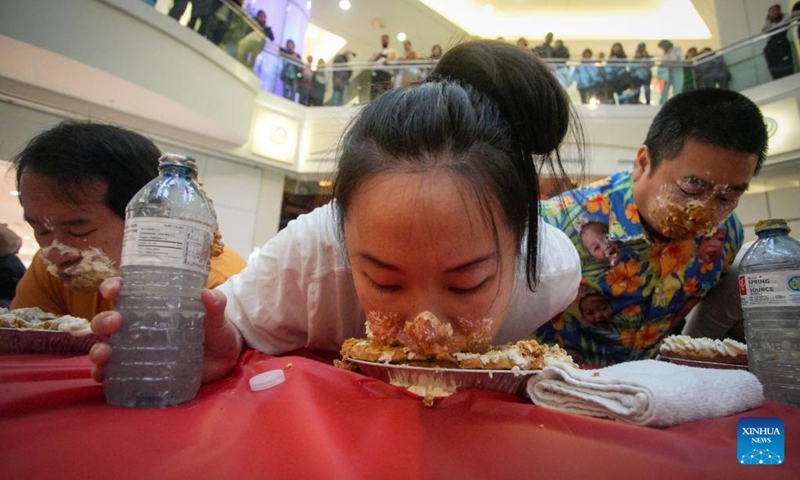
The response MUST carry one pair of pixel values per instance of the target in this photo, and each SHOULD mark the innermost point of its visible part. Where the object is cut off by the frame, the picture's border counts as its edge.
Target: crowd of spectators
(598, 78)
(618, 78)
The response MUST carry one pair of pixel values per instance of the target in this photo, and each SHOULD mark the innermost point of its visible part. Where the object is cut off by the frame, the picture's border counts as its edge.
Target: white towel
(646, 392)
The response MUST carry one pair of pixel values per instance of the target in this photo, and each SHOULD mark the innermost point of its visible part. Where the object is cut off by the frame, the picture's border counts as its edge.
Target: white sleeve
(559, 272)
(297, 290)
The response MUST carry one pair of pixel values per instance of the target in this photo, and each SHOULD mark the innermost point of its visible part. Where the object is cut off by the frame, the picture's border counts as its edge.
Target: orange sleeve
(38, 288)
(227, 264)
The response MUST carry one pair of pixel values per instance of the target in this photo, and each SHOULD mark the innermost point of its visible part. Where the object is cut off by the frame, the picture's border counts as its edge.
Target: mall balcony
(266, 147)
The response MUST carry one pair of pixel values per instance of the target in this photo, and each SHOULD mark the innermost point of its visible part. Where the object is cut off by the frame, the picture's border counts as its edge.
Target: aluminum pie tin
(31, 340)
(701, 363)
(440, 382)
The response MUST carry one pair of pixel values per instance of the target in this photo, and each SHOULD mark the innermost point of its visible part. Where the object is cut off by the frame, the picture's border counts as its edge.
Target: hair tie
(434, 77)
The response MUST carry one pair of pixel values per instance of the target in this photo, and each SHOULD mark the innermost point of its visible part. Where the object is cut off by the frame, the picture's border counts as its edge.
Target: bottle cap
(771, 223)
(266, 380)
(178, 159)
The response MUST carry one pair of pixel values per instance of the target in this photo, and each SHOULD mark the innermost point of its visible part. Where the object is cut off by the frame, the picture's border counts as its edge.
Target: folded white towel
(646, 392)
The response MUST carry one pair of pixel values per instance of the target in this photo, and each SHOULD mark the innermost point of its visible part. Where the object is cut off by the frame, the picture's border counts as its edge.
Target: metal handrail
(751, 40)
(250, 21)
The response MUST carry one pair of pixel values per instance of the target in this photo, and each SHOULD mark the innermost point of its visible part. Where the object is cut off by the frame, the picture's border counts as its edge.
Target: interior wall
(775, 194)
(119, 38)
(744, 18)
(236, 190)
(247, 198)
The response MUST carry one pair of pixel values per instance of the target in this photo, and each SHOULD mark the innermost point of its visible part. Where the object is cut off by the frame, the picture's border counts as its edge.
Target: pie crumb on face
(691, 194)
(84, 275)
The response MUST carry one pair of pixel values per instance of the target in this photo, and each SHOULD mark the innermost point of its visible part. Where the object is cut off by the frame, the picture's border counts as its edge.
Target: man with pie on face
(74, 182)
(701, 152)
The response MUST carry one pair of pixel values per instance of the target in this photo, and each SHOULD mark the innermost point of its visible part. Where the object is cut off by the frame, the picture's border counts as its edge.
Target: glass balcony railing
(762, 58)
(748, 63)
(592, 81)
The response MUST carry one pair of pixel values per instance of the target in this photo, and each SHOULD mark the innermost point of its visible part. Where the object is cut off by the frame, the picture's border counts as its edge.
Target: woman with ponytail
(435, 209)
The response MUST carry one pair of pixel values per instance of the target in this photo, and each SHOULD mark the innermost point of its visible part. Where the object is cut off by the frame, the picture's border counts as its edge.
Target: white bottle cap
(266, 380)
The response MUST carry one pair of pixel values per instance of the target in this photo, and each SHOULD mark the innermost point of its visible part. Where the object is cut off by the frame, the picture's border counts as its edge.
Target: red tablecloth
(325, 422)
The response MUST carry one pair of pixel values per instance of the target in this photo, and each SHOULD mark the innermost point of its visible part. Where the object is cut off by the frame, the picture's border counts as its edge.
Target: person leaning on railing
(711, 70)
(587, 77)
(253, 43)
(341, 78)
(382, 76)
(796, 14)
(618, 79)
(291, 71)
(689, 81)
(642, 71)
(233, 20)
(319, 81)
(670, 71)
(778, 50)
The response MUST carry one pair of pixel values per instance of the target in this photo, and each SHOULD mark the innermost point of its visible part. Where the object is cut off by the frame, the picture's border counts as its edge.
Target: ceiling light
(14, 193)
(325, 183)
(401, 37)
(772, 126)
(344, 5)
(583, 19)
(275, 136)
(278, 135)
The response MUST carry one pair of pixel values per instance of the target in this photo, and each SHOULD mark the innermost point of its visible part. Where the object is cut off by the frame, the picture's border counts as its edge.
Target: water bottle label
(770, 289)
(166, 242)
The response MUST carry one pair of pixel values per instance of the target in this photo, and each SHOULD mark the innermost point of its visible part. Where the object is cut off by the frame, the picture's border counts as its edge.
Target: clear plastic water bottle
(769, 285)
(157, 355)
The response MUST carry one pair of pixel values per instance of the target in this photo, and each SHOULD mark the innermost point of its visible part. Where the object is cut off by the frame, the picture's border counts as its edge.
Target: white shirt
(674, 54)
(297, 290)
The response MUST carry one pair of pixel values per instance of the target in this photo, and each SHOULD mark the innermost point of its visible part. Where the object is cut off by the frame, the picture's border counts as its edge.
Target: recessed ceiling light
(772, 126)
(278, 135)
(401, 37)
(488, 8)
(344, 5)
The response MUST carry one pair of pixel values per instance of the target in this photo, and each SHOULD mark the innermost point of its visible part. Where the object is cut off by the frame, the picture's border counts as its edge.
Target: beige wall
(775, 193)
(247, 197)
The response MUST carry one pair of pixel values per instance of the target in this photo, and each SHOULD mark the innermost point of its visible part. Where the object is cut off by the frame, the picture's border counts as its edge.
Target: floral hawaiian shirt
(634, 290)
